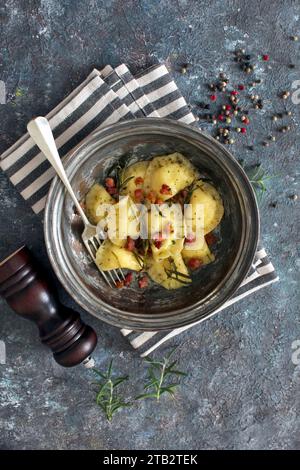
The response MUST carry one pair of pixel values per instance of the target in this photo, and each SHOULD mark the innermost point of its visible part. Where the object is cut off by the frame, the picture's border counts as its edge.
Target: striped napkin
(105, 97)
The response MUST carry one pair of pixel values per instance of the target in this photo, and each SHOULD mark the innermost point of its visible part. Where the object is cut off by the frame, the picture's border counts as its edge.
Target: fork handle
(40, 131)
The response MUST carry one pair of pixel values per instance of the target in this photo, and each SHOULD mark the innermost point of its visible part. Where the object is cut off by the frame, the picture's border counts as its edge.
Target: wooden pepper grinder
(31, 296)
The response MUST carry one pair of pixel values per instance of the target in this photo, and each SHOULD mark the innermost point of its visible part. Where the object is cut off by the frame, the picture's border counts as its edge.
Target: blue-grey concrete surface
(243, 388)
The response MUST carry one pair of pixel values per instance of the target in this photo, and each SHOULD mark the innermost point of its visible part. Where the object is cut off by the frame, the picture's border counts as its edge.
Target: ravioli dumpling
(133, 177)
(203, 253)
(169, 174)
(94, 199)
(110, 257)
(164, 272)
(213, 209)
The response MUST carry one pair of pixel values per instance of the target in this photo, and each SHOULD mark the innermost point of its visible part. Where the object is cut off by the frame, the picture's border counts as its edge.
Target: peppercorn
(248, 69)
(289, 113)
(213, 97)
(228, 120)
(274, 118)
(251, 147)
(266, 144)
(295, 38)
(214, 121)
(258, 80)
(272, 138)
(235, 112)
(238, 129)
(183, 70)
(247, 57)
(231, 141)
(265, 57)
(212, 86)
(241, 87)
(285, 95)
(293, 197)
(292, 66)
(243, 130)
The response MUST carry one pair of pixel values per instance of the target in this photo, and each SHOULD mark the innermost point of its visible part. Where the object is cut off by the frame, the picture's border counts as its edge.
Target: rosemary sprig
(117, 171)
(190, 191)
(176, 275)
(160, 374)
(258, 178)
(140, 259)
(106, 397)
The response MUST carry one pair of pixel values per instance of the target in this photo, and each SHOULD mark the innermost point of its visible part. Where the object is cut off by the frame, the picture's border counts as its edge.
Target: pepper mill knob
(31, 296)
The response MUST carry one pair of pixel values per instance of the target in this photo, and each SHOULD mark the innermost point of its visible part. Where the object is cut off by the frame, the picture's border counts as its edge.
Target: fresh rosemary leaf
(159, 374)
(106, 396)
(258, 178)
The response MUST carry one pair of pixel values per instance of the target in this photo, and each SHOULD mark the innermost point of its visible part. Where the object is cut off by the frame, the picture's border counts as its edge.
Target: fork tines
(92, 245)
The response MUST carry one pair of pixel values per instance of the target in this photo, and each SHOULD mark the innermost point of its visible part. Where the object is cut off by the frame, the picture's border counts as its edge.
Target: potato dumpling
(203, 253)
(97, 196)
(133, 177)
(109, 257)
(163, 272)
(168, 174)
(209, 197)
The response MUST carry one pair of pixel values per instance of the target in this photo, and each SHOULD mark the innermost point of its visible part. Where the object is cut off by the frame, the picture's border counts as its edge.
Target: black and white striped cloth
(106, 97)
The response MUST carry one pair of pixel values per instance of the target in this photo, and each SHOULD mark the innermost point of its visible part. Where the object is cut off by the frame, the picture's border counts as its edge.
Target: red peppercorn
(245, 120)
(241, 87)
(221, 117)
(194, 263)
(266, 57)
(139, 180)
(143, 282)
(110, 182)
(119, 284)
(228, 107)
(210, 238)
(243, 130)
(128, 279)
(165, 189)
(234, 93)
(130, 244)
(138, 194)
(213, 97)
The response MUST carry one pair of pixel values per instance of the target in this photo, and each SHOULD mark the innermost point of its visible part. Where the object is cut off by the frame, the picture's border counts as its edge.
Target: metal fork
(40, 131)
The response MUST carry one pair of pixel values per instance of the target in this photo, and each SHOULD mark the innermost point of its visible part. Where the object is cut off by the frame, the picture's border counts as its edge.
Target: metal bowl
(154, 308)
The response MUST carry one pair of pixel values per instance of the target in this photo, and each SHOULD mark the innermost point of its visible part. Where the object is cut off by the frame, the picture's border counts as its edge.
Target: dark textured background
(243, 389)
